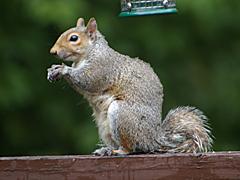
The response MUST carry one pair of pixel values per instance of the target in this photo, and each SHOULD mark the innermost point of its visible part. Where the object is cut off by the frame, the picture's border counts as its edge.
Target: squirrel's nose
(53, 51)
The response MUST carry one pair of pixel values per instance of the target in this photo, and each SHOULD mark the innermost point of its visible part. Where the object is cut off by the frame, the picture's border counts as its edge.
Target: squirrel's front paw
(55, 72)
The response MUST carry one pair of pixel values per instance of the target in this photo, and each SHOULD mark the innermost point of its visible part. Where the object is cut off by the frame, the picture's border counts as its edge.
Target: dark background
(195, 53)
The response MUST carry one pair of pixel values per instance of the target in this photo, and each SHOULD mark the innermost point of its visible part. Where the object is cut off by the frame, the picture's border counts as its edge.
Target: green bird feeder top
(147, 7)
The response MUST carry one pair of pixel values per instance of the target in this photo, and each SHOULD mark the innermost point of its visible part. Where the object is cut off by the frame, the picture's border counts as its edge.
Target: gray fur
(126, 96)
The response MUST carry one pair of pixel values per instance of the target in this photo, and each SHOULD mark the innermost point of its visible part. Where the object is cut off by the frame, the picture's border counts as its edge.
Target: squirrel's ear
(92, 28)
(80, 22)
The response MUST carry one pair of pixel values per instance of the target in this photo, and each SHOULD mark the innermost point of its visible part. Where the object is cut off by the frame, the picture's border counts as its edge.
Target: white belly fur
(100, 106)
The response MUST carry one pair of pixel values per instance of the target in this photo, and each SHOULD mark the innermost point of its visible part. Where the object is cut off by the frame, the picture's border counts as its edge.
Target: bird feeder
(147, 7)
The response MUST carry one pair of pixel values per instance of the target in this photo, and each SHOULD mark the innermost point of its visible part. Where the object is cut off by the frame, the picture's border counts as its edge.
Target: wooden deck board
(221, 165)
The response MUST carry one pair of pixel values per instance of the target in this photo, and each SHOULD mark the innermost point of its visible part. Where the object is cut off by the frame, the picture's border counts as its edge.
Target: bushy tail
(185, 129)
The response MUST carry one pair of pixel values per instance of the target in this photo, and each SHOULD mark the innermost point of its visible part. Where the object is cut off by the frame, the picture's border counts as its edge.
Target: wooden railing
(221, 165)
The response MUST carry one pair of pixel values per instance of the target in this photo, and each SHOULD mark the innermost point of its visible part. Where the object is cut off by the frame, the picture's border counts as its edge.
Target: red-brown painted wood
(222, 165)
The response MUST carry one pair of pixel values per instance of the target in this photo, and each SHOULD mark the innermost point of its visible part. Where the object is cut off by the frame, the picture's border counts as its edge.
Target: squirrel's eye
(73, 38)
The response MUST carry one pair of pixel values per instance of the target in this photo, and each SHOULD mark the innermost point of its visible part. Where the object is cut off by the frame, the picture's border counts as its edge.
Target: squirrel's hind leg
(132, 127)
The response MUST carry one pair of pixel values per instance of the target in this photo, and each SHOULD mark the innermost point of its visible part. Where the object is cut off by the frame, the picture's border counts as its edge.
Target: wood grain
(221, 165)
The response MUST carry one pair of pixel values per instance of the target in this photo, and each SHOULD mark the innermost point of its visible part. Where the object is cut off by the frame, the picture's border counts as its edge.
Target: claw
(56, 66)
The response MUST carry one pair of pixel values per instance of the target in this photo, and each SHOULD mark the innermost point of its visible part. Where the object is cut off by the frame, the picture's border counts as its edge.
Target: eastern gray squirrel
(126, 97)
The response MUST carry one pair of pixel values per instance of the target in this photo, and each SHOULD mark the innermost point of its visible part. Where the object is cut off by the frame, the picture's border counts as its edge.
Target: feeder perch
(147, 7)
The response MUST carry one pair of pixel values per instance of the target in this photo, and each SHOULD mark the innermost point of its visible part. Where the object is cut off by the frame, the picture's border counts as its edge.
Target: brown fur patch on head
(71, 45)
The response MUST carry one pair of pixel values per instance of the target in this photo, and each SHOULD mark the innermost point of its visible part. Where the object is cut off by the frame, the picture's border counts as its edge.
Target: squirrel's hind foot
(104, 151)
(120, 152)
(107, 151)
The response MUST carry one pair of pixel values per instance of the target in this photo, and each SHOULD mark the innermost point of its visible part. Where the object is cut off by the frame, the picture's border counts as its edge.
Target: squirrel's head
(73, 44)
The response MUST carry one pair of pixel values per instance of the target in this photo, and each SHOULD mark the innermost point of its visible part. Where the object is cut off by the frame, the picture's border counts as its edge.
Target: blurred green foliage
(196, 53)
